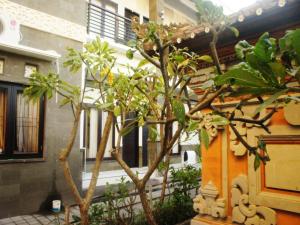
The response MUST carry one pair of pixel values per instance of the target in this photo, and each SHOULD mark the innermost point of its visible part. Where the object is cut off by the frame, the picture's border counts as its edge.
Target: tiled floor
(31, 220)
(37, 219)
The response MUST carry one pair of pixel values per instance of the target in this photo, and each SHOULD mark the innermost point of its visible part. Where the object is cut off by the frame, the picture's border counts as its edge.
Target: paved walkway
(35, 219)
(38, 219)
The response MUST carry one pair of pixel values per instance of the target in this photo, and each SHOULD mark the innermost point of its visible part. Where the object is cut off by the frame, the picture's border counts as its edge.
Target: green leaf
(183, 63)
(256, 162)
(142, 63)
(126, 130)
(192, 126)
(179, 58)
(242, 75)
(141, 122)
(261, 145)
(265, 48)
(262, 67)
(282, 44)
(129, 54)
(204, 138)
(105, 105)
(242, 48)
(269, 101)
(235, 31)
(278, 69)
(153, 133)
(64, 101)
(206, 58)
(179, 110)
(117, 111)
(170, 69)
(49, 93)
(296, 43)
(220, 121)
(285, 43)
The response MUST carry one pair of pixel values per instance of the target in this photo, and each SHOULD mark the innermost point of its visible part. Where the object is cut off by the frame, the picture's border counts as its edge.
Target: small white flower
(281, 3)
(259, 11)
(241, 18)
(192, 35)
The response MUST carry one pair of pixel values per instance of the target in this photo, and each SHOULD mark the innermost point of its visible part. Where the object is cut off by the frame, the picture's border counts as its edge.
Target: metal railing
(108, 24)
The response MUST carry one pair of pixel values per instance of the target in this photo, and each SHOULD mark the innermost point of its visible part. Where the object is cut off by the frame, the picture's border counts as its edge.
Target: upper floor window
(129, 14)
(104, 20)
(21, 124)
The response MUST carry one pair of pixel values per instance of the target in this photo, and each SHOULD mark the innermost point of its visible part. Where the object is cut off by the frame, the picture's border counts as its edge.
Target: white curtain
(27, 125)
(93, 137)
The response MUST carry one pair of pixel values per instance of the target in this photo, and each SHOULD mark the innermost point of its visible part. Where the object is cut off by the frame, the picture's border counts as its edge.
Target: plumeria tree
(158, 93)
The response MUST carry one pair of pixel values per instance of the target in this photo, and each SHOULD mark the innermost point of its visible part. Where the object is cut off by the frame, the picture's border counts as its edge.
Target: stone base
(204, 220)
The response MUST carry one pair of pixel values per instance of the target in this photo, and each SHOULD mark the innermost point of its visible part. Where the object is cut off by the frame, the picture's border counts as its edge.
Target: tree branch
(99, 157)
(149, 58)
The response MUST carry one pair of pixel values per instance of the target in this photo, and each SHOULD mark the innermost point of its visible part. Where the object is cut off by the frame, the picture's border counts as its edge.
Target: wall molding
(284, 200)
(244, 211)
(42, 21)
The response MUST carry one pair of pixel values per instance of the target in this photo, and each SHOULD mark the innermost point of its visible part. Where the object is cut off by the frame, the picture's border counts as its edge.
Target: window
(102, 18)
(93, 124)
(145, 19)
(129, 34)
(21, 124)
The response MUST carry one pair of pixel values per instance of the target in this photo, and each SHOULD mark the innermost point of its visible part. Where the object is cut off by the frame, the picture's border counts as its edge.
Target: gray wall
(71, 10)
(24, 186)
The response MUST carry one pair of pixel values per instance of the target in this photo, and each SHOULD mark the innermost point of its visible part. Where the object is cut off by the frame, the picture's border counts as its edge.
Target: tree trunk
(165, 179)
(146, 206)
(84, 216)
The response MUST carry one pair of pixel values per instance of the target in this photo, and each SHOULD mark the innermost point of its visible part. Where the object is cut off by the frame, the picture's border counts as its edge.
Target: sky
(232, 6)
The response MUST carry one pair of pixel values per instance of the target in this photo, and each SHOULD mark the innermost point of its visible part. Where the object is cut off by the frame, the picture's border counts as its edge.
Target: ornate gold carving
(243, 211)
(206, 202)
(243, 128)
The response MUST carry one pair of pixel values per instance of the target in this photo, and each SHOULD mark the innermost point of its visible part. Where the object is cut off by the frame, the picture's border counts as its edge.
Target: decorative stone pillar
(206, 203)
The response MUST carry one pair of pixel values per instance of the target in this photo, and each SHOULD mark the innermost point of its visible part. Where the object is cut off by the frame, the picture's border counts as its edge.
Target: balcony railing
(108, 24)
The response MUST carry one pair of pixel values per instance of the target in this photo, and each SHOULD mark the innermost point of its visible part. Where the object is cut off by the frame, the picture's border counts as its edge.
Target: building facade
(33, 134)
(35, 35)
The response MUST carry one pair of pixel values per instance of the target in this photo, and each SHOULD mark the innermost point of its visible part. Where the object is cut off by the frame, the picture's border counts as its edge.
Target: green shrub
(176, 208)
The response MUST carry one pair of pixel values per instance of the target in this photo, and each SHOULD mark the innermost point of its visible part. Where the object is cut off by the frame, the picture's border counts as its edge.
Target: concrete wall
(24, 186)
(71, 10)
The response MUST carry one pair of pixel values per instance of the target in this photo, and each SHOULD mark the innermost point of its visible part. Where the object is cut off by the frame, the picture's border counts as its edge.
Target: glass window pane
(27, 125)
(3, 97)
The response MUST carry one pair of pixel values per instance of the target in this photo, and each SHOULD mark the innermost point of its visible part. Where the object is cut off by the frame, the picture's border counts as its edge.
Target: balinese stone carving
(290, 115)
(237, 147)
(208, 125)
(243, 211)
(206, 203)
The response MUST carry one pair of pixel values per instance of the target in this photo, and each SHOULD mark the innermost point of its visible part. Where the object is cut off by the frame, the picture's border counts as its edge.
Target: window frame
(11, 119)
